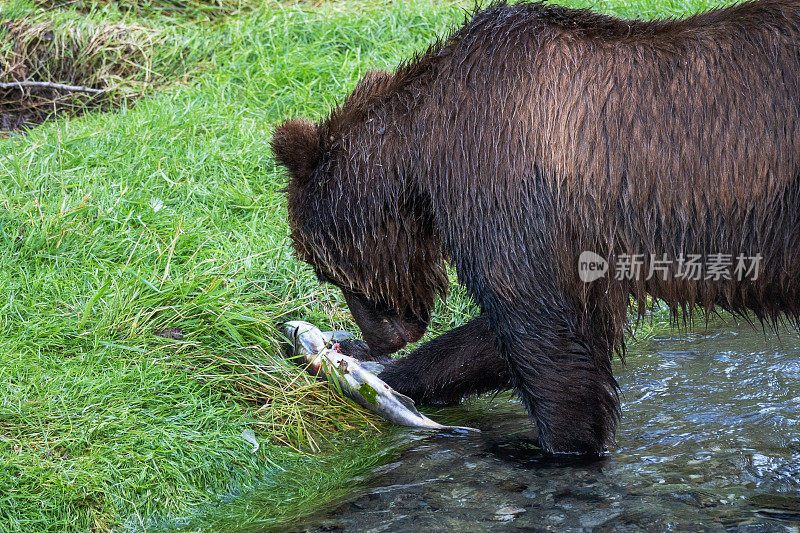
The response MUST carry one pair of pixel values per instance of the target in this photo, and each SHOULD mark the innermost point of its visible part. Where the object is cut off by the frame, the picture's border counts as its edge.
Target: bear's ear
(296, 146)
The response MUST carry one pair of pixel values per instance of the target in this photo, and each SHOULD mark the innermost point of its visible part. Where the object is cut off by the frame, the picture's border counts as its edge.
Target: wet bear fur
(535, 132)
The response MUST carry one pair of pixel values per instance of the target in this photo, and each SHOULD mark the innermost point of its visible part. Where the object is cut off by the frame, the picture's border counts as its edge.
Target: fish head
(306, 338)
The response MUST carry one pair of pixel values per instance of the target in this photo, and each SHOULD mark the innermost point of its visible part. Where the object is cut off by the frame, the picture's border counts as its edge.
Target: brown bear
(528, 138)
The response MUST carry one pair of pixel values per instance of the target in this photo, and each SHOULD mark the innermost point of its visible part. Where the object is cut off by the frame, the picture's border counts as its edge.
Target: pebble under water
(709, 440)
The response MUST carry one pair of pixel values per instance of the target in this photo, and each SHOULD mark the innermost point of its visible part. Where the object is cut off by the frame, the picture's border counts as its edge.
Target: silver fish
(356, 379)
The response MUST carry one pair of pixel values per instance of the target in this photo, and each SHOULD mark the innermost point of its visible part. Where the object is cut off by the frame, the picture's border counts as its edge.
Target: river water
(709, 440)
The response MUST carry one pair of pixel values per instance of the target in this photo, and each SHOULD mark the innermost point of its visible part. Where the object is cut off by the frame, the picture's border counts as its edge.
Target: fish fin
(336, 336)
(460, 429)
(407, 402)
(372, 366)
(340, 335)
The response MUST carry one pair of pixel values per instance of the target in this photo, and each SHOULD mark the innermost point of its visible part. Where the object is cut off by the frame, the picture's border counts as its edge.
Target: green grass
(168, 214)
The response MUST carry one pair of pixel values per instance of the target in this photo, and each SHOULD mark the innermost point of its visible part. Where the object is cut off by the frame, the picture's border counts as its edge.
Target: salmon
(356, 379)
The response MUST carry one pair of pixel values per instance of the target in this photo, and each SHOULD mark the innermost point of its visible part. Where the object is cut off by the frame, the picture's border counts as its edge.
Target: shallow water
(709, 440)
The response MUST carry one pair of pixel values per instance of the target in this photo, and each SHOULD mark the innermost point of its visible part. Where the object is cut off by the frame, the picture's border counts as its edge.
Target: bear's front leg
(460, 363)
(561, 366)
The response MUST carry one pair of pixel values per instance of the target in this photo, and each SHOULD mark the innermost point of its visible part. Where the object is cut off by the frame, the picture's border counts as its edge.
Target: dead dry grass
(113, 61)
(191, 8)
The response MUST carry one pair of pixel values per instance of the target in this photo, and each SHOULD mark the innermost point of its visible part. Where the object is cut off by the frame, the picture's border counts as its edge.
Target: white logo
(591, 266)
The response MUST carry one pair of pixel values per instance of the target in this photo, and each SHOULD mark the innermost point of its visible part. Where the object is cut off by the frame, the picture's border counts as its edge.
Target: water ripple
(710, 439)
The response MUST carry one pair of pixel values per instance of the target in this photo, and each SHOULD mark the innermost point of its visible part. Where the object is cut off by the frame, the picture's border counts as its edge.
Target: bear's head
(356, 231)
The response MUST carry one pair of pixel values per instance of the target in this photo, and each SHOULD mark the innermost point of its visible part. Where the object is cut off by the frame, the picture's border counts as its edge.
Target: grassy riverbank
(144, 266)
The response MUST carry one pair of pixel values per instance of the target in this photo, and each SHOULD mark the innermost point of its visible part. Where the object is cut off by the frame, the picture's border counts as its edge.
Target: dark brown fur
(531, 134)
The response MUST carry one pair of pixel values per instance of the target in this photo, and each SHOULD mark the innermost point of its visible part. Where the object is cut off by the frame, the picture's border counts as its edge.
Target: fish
(356, 379)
